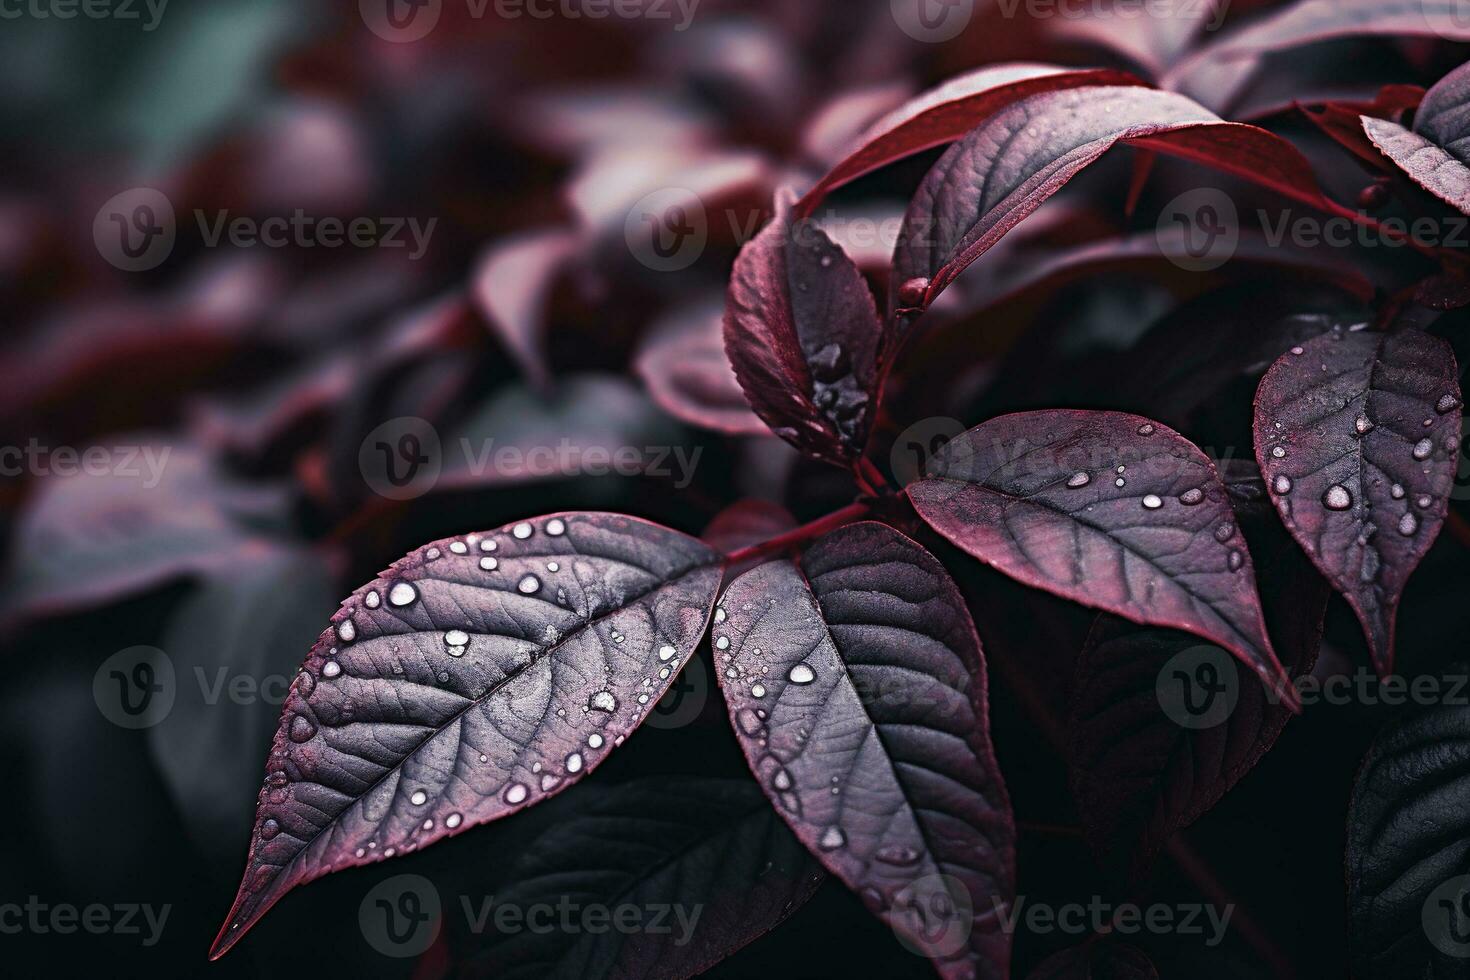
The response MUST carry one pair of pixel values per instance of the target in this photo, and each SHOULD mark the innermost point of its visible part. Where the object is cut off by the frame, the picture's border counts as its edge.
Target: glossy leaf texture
(1357, 435)
(1138, 772)
(1408, 848)
(804, 336)
(1107, 509)
(857, 686)
(1004, 169)
(1096, 961)
(683, 363)
(477, 676)
(1435, 153)
(710, 851)
(946, 113)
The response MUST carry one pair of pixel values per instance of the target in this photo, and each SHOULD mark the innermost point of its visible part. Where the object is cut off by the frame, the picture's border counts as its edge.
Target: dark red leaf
(1097, 961)
(1406, 831)
(1343, 120)
(710, 850)
(804, 336)
(683, 363)
(857, 685)
(1357, 435)
(1140, 773)
(1006, 168)
(1110, 510)
(512, 287)
(1436, 152)
(948, 112)
(475, 677)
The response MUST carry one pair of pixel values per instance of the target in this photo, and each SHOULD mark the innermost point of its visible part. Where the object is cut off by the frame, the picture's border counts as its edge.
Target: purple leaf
(711, 845)
(948, 112)
(477, 676)
(803, 334)
(856, 683)
(1006, 168)
(683, 363)
(1357, 435)
(1139, 773)
(512, 287)
(1096, 961)
(1107, 509)
(1406, 861)
(1436, 152)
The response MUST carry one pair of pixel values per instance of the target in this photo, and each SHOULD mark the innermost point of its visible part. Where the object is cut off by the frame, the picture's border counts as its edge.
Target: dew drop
(302, 729)
(1153, 502)
(331, 668)
(529, 585)
(782, 780)
(522, 530)
(720, 614)
(1446, 404)
(1079, 479)
(897, 855)
(1282, 485)
(802, 674)
(666, 653)
(1146, 429)
(574, 762)
(488, 544)
(1337, 497)
(1424, 501)
(548, 782)
(456, 651)
(1279, 452)
(1362, 425)
(552, 566)
(723, 643)
(269, 829)
(556, 527)
(603, 701)
(456, 638)
(402, 594)
(1423, 448)
(1396, 491)
(594, 741)
(489, 564)
(419, 798)
(1191, 497)
(1120, 482)
(1298, 351)
(514, 793)
(1224, 532)
(758, 690)
(1408, 524)
(372, 600)
(432, 554)
(459, 547)
(832, 838)
(346, 631)
(1236, 560)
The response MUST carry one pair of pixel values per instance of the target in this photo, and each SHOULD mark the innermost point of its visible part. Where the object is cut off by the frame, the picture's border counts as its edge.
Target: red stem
(801, 535)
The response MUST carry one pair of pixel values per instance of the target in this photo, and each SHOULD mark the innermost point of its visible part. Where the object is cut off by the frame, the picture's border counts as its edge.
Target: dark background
(262, 370)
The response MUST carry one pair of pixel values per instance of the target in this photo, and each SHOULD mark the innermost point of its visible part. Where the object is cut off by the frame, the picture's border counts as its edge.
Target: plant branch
(800, 535)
